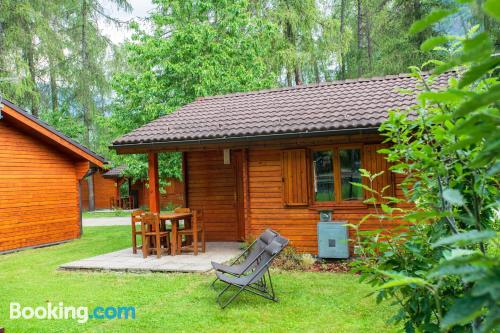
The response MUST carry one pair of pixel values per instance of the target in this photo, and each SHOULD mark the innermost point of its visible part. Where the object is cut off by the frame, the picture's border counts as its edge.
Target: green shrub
(443, 269)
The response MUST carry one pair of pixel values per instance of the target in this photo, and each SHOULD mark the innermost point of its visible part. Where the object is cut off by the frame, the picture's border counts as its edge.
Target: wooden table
(174, 218)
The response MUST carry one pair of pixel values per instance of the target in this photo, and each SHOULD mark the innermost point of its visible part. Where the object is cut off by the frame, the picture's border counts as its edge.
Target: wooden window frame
(337, 184)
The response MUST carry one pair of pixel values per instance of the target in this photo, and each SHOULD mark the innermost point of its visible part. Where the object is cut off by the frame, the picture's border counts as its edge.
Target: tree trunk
(30, 55)
(85, 90)
(417, 15)
(53, 86)
(290, 35)
(368, 40)
(298, 77)
(289, 78)
(360, 36)
(316, 71)
(342, 41)
(90, 183)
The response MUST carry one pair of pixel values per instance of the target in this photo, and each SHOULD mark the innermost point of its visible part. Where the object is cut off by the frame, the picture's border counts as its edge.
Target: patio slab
(125, 261)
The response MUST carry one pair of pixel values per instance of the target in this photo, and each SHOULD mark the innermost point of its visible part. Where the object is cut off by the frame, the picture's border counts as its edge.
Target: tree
(196, 49)
(443, 271)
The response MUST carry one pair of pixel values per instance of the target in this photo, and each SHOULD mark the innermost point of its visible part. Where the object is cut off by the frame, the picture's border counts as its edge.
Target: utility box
(333, 240)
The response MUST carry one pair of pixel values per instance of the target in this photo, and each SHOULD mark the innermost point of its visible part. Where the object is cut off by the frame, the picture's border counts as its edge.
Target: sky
(140, 9)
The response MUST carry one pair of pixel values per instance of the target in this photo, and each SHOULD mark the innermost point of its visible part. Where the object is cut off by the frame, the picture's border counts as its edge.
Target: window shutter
(375, 163)
(294, 173)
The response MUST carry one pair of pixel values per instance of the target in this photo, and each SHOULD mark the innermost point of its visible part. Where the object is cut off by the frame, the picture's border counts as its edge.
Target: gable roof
(50, 134)
(318, 109)
(116, 172)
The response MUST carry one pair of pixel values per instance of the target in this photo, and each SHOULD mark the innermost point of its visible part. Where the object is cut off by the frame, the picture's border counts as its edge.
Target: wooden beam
(36, 129)
(246, 193)
(154, 183)
(264, 144)
(185, 179)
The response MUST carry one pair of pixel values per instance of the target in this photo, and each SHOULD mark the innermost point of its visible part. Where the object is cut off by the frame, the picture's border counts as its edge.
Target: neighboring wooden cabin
(107, 185)
(104, 191)
(40, 172)
(275, 158)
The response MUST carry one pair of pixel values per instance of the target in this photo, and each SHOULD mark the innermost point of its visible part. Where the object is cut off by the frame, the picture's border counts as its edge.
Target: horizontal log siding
(38, 192)
(172, 194)
(211, 189)
(267, 209)
(104, 190)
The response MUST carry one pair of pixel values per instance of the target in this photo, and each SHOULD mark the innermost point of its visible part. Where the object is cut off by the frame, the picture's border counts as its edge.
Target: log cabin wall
(212, 187)
(173, 194)
(104, 190)
(299, 224)
(39, 201)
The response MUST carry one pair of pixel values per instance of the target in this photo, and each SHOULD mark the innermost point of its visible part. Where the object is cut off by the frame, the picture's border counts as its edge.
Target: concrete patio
(125, 261)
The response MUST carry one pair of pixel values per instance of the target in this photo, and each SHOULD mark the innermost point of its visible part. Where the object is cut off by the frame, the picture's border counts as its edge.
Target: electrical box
(333, 240)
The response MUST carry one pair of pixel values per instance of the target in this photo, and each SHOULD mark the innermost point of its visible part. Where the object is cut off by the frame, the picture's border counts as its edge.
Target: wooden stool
(197, 229)
(136, 217)
(151, 234)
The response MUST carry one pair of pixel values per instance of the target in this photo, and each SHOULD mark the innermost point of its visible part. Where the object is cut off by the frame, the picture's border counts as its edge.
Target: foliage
(443, 270)
(196, 49)
(56, 63)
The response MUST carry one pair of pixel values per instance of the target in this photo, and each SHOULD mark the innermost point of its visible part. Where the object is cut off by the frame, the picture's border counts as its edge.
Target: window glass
(350, 163)
(323, 175)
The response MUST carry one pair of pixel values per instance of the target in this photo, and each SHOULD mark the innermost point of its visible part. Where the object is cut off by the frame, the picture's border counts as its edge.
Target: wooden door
(213, 189)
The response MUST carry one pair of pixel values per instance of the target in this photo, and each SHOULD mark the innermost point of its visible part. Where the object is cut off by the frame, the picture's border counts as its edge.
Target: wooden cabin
(104, 190)
(40, 175)
(107, 183)
(275, 158)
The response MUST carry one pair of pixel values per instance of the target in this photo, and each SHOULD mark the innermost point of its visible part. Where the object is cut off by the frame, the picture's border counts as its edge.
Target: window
(323, 176)
(350, 163)
(334, 170)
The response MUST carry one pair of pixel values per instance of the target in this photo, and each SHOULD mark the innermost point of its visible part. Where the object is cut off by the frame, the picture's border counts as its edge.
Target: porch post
(154, 184)
(185, 179)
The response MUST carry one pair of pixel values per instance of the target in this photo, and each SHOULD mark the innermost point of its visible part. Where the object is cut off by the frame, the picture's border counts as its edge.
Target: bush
(443, 269)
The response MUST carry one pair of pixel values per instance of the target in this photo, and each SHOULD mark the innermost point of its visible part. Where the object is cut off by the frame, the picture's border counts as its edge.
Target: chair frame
(197, 229)
(136, 218)
(260, 288)
(153, 219)
(245, 254)
(256, 285)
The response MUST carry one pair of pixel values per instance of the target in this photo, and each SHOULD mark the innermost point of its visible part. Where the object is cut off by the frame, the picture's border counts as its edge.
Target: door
(212, 188)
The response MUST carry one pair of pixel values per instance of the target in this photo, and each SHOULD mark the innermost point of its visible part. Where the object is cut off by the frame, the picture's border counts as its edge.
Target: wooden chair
(182, 210)
(197, 229)
(151, 234)
(136, 218)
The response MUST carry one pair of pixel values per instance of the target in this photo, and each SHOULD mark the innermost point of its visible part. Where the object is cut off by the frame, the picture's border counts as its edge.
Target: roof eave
(174, 145)
(39, 126)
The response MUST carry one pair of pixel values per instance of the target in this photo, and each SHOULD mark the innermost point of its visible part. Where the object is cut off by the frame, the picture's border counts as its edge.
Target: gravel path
(105, 221)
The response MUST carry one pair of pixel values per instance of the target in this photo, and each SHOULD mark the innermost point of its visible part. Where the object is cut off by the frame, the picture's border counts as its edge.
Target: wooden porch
(215, 184)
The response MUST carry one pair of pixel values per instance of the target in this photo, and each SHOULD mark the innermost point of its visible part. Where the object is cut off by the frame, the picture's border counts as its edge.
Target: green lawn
(114, 213)
(309, 302)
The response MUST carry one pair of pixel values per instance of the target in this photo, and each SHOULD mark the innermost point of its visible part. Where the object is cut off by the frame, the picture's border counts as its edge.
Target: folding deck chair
(259, 280)
(250, 255)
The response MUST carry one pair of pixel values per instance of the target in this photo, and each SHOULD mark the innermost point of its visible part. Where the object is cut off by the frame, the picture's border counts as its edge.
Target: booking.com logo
(81, 314)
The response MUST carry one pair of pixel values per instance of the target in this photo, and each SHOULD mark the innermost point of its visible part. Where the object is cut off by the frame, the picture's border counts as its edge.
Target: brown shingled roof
(359, 104)
(116, 172)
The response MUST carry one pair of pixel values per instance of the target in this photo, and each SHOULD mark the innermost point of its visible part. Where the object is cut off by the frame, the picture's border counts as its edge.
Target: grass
(114, 213)
(309, 302)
